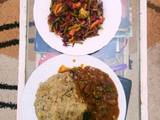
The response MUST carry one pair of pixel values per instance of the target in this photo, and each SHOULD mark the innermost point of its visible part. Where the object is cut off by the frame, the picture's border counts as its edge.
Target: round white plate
(50, 67)
(112, 13)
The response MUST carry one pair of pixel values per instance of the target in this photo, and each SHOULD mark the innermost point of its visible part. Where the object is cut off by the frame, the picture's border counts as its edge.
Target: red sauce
(98, 91)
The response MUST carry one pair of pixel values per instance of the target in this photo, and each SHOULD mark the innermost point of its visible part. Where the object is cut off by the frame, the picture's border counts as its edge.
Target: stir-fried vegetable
(75, 20)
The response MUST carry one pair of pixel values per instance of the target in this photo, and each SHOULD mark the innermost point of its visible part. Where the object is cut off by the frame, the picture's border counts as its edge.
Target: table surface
(127, 51)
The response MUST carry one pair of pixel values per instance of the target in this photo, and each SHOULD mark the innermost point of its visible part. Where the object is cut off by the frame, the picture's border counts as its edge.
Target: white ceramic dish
(112, 13)
(50, 67)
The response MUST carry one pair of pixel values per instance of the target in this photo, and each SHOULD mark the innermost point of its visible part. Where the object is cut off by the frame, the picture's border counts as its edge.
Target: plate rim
(79, 50)
(50, 61)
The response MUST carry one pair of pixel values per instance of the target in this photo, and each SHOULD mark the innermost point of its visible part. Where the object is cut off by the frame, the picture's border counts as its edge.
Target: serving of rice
(56, 99)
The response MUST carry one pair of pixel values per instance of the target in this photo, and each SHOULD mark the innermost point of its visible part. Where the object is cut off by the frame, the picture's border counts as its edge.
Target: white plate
(50, 67)
(112, 14)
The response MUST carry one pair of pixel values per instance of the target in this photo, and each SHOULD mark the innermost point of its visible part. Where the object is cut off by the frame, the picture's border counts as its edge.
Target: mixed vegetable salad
(75, 20)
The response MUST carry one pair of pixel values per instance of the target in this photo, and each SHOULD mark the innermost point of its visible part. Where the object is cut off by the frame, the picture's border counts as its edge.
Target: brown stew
(98, 91)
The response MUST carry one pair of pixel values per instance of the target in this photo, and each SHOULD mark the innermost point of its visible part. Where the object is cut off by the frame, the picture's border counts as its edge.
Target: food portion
(98, 91)
(56, 99)
(79, 93)
(75, 20)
